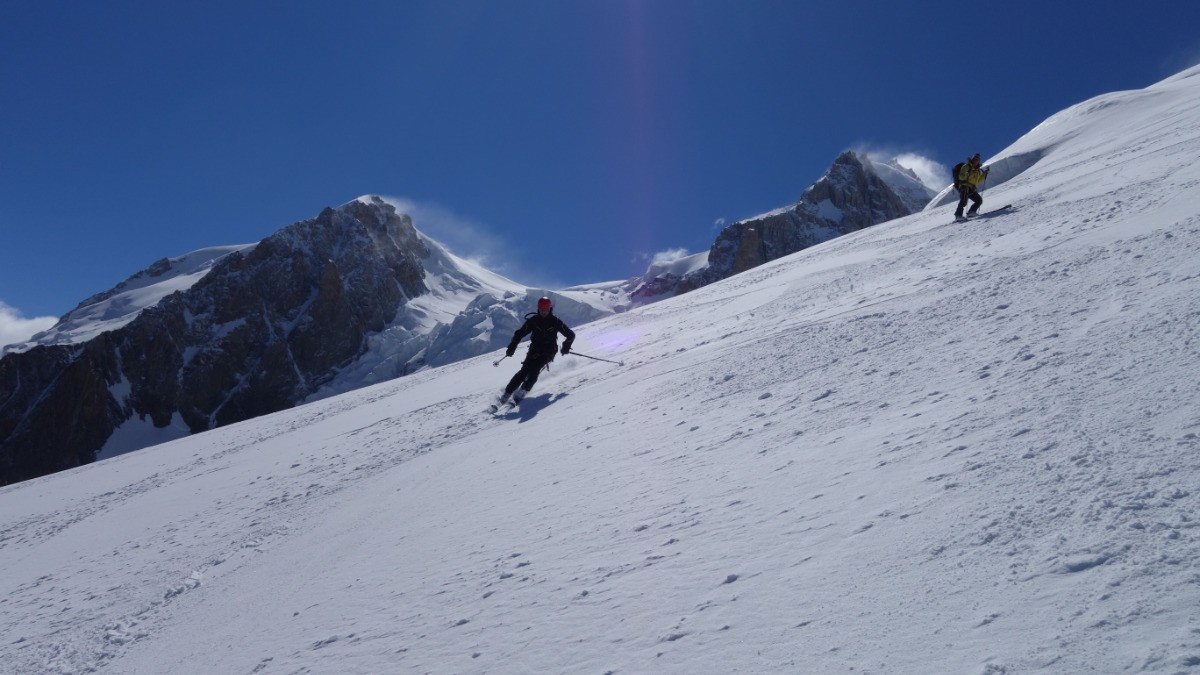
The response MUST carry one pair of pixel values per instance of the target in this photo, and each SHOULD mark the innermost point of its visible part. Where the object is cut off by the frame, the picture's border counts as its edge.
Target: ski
(503, 406)
(501, 409)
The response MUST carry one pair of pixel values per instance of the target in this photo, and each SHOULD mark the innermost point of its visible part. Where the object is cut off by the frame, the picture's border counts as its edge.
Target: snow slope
(115, 308)
(921, 447)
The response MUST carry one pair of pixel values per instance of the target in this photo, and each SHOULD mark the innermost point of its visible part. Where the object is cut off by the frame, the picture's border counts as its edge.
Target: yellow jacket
(970, 175)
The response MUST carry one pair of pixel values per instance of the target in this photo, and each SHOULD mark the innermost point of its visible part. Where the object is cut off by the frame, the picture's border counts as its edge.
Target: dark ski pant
(963, 195)
(527, 376)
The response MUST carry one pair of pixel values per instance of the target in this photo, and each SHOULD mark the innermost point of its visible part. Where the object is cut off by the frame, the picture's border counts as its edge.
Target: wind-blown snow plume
(932, 174)
(668, 256)
(466, 237)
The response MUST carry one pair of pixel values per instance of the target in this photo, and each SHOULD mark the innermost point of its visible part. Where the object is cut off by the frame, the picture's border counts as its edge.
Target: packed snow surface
(923, 447)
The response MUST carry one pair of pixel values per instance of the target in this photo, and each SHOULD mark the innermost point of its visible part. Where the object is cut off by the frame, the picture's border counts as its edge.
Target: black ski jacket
(543, 332)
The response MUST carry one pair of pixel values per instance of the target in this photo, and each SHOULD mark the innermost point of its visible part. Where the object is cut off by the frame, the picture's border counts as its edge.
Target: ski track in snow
(925, 447)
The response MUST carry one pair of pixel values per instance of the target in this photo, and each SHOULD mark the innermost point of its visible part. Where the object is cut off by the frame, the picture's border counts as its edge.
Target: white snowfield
(922, 448)
(107, 312)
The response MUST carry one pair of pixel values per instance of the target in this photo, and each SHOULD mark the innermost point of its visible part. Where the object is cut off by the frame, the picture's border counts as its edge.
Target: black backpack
(954, 172)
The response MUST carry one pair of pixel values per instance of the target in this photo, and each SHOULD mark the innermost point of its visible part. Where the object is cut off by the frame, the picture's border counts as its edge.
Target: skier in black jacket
(543, 328)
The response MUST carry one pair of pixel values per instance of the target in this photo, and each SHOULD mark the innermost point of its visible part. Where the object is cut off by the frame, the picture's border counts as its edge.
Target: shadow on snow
(531, 405)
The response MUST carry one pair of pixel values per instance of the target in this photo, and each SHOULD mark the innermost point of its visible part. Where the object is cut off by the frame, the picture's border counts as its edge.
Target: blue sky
(563, 141)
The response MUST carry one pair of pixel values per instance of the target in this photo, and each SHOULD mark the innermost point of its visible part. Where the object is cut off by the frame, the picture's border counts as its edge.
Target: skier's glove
(512, 349)
(566, 348)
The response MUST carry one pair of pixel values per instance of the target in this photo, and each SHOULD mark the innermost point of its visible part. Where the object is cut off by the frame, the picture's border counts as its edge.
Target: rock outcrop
(854, 193)
(259, 332)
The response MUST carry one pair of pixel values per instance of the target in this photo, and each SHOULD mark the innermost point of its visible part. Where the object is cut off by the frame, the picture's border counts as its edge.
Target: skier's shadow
(531, 405)
(1002, 211)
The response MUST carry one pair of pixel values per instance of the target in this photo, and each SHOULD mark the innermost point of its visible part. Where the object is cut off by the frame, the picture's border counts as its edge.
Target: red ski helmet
(544, 303)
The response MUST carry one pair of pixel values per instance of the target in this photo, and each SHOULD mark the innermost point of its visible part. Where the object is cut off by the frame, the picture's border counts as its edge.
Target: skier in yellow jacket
(968, 180)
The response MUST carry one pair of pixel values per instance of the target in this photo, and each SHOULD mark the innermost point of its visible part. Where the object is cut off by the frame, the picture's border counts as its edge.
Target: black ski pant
(963, 195)
(527, 376)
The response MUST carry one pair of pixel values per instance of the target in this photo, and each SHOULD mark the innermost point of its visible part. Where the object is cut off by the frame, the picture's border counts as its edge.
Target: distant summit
(854, 193)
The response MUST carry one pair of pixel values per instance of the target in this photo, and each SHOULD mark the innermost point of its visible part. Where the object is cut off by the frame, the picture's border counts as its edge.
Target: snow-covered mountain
(116, 307)
(921, 447)
(469, 310)
(854, 193)
(354, 297)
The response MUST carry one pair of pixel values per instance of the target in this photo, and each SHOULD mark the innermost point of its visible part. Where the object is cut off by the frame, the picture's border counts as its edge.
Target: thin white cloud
(15, 328)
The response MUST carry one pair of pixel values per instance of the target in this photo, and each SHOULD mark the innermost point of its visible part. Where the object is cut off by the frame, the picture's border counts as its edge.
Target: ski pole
(575, 353)
(497, 361)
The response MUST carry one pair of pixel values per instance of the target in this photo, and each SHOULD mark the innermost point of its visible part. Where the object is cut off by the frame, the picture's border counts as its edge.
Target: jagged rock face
(256, 335)
(854, 188)
(849, 197)
(51, 427)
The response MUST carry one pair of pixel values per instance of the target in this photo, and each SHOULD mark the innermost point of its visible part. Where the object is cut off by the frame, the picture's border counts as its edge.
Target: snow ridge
(118, 306)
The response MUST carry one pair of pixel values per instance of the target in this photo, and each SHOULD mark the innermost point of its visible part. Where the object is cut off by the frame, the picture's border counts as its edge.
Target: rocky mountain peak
(854, 193)
(244, 332)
